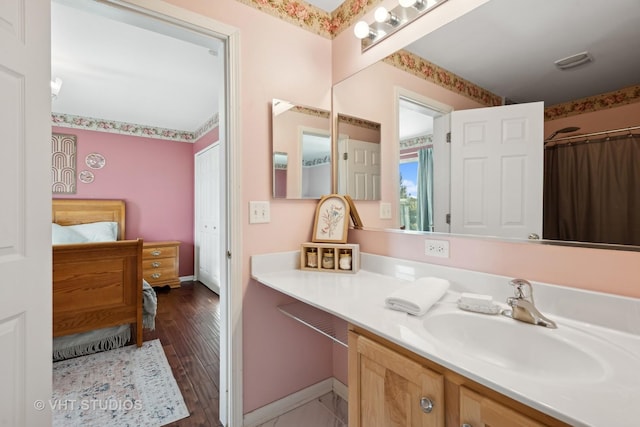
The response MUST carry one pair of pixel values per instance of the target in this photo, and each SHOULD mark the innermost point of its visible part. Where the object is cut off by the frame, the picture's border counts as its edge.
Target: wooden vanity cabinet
(388, 389)
(387, 385)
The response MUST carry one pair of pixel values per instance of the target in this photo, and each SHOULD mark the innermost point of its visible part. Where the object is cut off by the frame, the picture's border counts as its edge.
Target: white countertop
(611, 398)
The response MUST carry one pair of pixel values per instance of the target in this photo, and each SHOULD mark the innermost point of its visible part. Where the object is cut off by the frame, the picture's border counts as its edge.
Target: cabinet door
(390, 389)
(479, 411)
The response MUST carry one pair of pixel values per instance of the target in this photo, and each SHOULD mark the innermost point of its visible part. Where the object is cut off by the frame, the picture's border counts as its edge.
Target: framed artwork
(63, 163)
(332, 220)
(355, 218)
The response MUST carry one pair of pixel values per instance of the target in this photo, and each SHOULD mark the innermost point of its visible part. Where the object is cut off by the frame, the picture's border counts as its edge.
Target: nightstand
(160, 263)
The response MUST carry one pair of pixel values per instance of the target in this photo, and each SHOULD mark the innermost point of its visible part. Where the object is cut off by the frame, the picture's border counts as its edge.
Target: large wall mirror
(301, 139)
(512, 46)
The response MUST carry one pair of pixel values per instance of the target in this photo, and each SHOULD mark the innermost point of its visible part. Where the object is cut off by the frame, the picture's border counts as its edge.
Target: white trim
(288, 403)
(171, 13)
(341, 389)
(187, 278)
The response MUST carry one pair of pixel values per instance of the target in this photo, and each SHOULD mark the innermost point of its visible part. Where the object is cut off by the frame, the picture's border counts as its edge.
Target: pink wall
(612, 118)
(278, 60)
(153, 176)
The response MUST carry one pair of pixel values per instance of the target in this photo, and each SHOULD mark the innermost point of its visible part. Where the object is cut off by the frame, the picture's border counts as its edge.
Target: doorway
(423, 163)
(161, 15)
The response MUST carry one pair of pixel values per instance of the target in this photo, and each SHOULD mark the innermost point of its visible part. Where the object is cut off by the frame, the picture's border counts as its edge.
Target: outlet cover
(437, 248)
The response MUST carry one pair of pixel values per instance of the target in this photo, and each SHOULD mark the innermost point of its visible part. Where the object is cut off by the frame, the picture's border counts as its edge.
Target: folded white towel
(418, 297)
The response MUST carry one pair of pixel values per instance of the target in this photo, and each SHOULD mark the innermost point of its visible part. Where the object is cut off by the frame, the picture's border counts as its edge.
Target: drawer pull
(156, 264)
(156, 275)
(426, 404)
(156, 252)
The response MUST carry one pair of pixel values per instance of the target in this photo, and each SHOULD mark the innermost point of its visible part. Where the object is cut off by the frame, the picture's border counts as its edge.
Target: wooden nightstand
(160, 263)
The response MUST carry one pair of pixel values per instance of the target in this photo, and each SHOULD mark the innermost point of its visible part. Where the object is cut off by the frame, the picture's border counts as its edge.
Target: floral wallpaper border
(424, 69)
(312, 111)
(628, 95)
(356, 121)
(123, 128)
(312, 18)
(418, 141)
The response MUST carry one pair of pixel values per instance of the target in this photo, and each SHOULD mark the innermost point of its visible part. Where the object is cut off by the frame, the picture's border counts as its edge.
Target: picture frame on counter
(331, 222)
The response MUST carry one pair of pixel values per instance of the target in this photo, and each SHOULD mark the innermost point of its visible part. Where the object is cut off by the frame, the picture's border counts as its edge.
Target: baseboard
(292, 401)
(187, 278)
(340, 389)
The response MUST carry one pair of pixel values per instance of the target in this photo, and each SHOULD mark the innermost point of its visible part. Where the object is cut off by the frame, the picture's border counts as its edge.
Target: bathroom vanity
(454, 368)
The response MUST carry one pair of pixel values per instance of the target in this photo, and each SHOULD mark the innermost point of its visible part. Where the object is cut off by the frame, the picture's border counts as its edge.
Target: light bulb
(381, 14)
(407, 3)
(361, 30)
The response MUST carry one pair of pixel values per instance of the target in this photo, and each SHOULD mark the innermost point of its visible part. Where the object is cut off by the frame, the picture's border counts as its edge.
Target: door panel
(25, 217)
(497, 170)
(208, 217)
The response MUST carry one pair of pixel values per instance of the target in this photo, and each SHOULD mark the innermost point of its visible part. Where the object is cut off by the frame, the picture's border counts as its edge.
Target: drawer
(158, 263)
(159, 275)
(159, 252)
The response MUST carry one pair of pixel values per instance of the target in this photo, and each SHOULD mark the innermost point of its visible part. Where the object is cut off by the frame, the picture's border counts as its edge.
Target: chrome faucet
(522, 306)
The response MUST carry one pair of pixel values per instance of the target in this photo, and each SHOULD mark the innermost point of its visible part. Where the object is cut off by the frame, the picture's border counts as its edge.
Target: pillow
(97, 231)
(62, 235)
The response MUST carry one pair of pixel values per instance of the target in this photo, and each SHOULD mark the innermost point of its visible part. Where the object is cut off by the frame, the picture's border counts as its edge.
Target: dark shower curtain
(592, 191)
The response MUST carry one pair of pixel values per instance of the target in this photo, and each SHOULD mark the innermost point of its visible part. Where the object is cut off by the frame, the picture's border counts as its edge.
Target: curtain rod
(585, 135)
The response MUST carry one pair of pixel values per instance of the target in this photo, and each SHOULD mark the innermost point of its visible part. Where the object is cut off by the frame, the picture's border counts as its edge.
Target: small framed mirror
(301, 139)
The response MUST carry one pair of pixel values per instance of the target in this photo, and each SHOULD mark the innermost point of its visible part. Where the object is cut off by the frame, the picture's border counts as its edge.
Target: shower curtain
(425, 189)
(592, 191)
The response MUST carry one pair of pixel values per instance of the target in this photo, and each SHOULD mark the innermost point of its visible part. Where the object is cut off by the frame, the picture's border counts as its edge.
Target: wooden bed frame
(96, 285)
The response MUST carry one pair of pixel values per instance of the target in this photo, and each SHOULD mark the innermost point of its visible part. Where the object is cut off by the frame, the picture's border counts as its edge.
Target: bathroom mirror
(301, 142)
(358, 158)
(380, 85)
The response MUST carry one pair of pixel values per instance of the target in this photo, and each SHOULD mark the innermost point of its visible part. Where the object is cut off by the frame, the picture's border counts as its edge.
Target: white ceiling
(158, 75)
(137, 71)
(509, 47)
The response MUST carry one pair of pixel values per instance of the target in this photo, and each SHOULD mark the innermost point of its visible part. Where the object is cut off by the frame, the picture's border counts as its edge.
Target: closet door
(207, 220)
(25, 217)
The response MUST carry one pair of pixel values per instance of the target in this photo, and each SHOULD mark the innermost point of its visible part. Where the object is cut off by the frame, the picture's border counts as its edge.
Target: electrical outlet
(259, 213)
(438, 248)
(385, 210)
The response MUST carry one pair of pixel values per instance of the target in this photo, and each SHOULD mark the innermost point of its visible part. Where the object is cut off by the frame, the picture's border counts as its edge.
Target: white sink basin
(520, 348)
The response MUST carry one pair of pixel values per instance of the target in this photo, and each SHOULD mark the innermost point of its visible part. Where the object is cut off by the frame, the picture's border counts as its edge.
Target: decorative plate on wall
(86, 176)
(95, 161)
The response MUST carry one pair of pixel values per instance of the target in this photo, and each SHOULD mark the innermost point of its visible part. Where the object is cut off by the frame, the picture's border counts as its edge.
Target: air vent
(574, 60)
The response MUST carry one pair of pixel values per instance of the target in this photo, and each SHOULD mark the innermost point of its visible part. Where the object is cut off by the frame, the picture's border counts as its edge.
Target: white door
(363, 169)
(207, 220)
(496, 170)
(25, 217)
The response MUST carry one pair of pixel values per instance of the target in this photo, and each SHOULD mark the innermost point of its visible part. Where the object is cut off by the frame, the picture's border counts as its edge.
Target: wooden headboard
(82, 211)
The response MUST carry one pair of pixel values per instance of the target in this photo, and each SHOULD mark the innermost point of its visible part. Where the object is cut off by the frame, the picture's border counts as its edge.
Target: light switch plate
(385, 210)
(259, 212)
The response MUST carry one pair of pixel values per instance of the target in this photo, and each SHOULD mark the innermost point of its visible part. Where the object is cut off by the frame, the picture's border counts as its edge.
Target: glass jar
(312, 257)
(328, 260)
(345, 260)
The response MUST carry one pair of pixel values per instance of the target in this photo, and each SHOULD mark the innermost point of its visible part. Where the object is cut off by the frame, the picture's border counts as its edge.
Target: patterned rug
(128, 386)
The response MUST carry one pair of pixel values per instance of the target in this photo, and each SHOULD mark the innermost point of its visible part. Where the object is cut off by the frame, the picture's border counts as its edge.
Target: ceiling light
(574, 60)
(56, 84)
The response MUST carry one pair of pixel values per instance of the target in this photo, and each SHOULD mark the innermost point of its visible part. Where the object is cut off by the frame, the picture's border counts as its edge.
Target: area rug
(128, 386)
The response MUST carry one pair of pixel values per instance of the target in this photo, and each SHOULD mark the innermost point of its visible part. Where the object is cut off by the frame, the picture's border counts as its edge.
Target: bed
(96, 285)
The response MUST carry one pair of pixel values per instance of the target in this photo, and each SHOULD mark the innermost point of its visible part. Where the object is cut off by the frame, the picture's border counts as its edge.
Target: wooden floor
(188, 326)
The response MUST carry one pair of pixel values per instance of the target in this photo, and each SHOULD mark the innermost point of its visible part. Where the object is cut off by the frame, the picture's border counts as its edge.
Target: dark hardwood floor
(188, 326)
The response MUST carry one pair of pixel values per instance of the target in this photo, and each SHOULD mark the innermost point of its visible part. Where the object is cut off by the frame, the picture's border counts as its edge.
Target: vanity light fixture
(388, 22)
(382, 15)
(362, 30)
